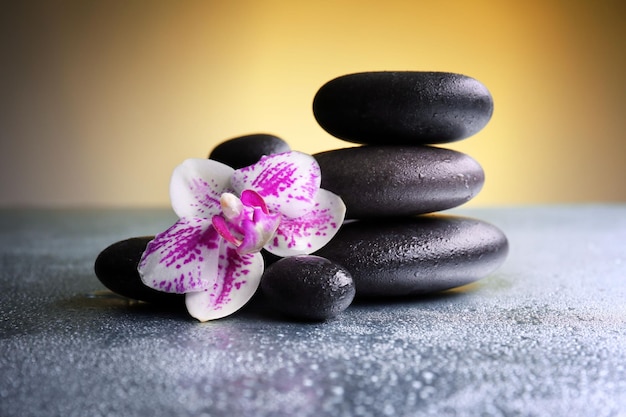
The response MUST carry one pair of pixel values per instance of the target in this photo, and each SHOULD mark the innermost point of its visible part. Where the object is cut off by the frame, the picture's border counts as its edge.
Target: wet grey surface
(545, 335)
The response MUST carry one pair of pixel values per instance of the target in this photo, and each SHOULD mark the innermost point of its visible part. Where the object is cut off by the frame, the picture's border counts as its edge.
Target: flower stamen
(232, 207)
(247, 217)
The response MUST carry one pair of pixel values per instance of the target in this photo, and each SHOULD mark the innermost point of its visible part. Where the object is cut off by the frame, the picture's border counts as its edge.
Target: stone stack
(391, 244)
(396, 179)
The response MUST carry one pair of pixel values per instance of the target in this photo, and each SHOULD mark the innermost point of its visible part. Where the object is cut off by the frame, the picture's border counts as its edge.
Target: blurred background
(100, 100)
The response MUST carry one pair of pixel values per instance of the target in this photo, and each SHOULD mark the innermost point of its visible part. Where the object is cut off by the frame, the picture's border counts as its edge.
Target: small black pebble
(246, 150)
(116, 268)
(308, 287)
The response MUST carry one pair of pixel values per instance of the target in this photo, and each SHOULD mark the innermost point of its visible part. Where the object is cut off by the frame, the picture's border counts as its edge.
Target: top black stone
(403, 108)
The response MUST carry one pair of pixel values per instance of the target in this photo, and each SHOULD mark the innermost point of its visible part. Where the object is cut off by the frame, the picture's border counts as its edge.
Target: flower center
(246, 222)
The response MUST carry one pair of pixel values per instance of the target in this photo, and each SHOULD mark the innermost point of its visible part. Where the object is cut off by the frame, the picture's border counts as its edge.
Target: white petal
(237, 280)
(183, 258)
(312, 231)
(288, 182)
(196, 187)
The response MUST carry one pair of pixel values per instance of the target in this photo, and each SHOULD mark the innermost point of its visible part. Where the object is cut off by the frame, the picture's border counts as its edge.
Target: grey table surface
(545, 335)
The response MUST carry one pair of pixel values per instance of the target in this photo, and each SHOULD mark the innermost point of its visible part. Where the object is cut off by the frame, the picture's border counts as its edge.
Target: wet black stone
(403, 108)
(308, 287)
(246, 150)
(269, 258)
(419, 255)
(116, 268)
(380, 181)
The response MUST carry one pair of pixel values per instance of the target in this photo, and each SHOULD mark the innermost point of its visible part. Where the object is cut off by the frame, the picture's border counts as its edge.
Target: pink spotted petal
(237, 280)
(183, 258)
(312, 231)
(196, 187)
(288, 182)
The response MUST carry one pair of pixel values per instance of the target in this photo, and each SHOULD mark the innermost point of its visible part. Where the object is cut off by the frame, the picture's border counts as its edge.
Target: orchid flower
(226, 216)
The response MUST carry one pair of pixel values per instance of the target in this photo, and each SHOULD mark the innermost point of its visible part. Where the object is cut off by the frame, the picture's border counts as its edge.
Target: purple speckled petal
(196, 187)
(183, 258)
(236, 282)
(288, 182)
(312, 231)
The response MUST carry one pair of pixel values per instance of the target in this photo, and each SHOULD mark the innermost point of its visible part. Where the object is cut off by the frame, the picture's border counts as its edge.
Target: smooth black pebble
(308, 287)
(116, 268)
(403, 107)
(246, 150)
(382, 181)
(420, 255)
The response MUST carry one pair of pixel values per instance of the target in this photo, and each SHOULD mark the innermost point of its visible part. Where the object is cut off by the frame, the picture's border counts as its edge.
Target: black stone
(420, 255)
(116, 268)
(308, 287)
(269, 258)
(403, 108)
(246, 150)
(379, 181)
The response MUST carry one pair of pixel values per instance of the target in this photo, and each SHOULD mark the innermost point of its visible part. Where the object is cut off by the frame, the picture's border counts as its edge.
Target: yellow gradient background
(100, 100)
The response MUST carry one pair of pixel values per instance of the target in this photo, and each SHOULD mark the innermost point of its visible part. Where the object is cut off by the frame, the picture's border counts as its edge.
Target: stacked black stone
(394, 182)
